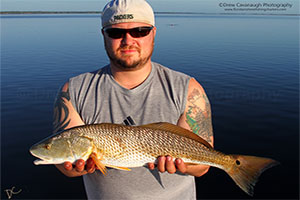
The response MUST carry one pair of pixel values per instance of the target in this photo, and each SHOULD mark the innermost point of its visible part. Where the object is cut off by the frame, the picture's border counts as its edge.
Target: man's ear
(154, 29)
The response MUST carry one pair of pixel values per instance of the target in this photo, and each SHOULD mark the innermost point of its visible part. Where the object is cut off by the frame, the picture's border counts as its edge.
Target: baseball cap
(119, 11)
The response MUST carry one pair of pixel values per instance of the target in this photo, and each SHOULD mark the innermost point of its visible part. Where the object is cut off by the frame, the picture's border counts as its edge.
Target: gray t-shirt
(98, 98)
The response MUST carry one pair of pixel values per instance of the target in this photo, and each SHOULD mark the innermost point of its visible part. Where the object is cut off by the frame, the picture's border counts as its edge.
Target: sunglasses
(117, 33)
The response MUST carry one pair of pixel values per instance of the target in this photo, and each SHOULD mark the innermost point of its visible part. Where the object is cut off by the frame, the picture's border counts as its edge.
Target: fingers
(180, 165)
(81, 166)
(68, 166)
(166, 164)
(90, 166)
(170, 166)
(161, 164)
(151, 166)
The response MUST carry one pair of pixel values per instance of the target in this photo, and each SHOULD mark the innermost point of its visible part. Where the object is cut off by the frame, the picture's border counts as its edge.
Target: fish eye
(47, 146)
(237, 162)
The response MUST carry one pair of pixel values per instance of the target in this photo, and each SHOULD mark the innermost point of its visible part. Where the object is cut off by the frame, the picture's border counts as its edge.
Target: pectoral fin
(98, 163)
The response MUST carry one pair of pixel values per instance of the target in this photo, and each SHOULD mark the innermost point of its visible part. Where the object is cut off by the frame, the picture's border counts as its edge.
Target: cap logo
(123, 11)
(125, 16)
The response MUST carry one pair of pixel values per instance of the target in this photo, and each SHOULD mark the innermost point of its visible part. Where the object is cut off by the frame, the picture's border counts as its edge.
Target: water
(249, 67)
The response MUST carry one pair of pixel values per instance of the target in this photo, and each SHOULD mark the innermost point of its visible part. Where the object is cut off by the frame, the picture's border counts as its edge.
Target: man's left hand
(166, 163)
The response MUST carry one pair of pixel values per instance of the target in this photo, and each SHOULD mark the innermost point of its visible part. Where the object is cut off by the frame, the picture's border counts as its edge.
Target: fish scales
(123, 147)
(142, 145)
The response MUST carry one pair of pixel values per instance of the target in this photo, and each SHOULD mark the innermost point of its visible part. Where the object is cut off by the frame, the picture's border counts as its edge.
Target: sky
(206, 6)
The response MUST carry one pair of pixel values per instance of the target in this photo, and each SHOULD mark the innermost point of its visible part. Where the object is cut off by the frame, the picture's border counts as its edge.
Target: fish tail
(246, 170)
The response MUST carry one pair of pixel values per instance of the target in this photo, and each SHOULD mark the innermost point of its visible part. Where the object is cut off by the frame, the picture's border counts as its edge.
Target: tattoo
(198, 115)
(61, 109)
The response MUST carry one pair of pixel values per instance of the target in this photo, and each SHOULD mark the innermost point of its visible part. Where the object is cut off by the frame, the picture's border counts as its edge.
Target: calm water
(249, 67)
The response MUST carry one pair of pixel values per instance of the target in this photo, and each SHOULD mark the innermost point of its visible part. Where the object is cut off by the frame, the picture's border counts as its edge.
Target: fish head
(59, 149)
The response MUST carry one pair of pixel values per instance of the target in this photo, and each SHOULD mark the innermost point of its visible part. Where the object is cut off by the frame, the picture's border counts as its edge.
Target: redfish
(123, 147)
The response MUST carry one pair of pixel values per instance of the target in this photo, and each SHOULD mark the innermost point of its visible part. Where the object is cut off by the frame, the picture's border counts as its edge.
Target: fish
(123, 147)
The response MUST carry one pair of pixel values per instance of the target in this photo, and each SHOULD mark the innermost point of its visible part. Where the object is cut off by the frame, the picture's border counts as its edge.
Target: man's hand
(166, 164)
(80, 168)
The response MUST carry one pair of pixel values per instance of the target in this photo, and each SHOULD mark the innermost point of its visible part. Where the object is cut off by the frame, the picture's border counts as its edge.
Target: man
(134, 90)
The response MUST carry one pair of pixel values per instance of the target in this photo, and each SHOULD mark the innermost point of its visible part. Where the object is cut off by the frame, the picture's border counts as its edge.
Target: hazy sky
(207, 6)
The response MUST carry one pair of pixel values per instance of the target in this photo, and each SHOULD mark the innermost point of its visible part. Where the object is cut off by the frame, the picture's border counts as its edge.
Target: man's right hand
(80, 168)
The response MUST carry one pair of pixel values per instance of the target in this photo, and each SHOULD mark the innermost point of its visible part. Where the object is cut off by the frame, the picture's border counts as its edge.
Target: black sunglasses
(117, 33)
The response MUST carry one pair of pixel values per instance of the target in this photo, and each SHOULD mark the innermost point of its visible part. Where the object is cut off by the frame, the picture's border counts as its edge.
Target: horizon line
(180, 13)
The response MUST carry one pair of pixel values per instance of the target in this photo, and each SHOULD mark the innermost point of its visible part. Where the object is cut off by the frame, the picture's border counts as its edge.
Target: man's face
(128, 52)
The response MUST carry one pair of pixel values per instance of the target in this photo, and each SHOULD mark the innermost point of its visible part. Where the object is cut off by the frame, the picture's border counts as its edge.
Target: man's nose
(127, 39)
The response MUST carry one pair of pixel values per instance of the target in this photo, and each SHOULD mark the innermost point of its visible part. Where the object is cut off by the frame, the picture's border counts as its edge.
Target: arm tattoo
(60, 107)
(199, 117)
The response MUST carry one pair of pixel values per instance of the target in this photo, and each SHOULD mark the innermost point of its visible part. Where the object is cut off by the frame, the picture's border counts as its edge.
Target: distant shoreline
(163, 13)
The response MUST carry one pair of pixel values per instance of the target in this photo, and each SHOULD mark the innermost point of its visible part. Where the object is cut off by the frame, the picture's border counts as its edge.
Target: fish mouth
(38, 161)
(41, 160)
(47, 160)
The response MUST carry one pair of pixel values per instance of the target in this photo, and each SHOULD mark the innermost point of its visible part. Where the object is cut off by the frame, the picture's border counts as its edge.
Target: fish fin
(117, 167)
(164, 126)
(247, 169)
(98, 163)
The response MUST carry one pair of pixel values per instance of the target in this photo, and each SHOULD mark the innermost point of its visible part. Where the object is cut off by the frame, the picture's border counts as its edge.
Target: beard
(123, 63)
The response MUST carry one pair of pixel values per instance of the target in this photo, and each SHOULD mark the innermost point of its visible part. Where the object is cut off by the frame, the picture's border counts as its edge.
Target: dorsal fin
(164, 126)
